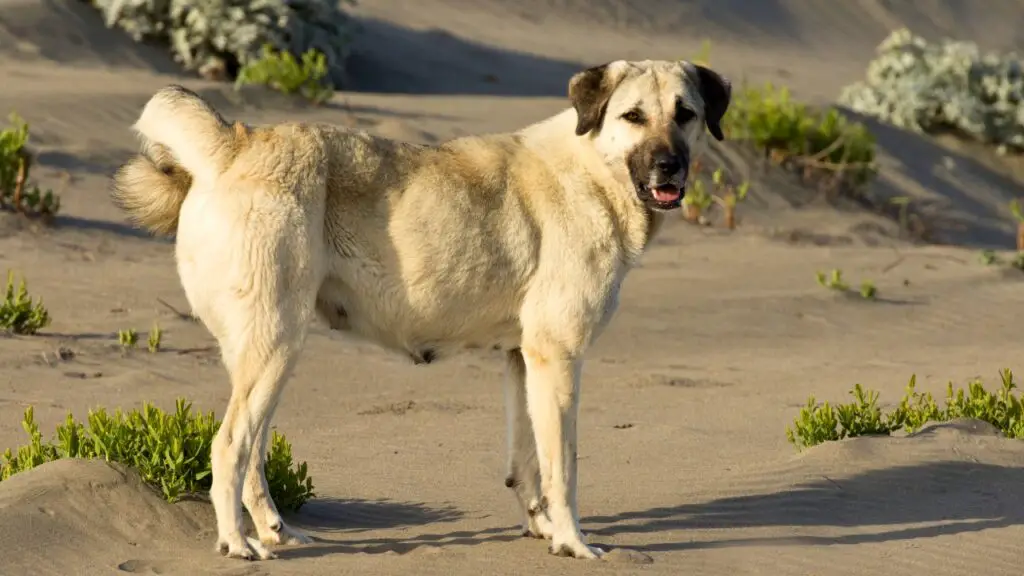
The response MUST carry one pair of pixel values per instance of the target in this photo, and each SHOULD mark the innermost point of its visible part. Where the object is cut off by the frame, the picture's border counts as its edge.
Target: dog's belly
(425, 330)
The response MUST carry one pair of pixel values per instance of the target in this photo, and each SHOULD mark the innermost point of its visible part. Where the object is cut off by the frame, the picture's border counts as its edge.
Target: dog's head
(645, 118)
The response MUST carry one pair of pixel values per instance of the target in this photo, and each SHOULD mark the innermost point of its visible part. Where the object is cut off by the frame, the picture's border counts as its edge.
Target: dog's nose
(667, 164)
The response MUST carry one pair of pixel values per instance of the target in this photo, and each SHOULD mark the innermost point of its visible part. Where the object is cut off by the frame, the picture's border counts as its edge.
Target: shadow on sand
(956, 496)
(388, 58)
(968, 200)
(353, 517)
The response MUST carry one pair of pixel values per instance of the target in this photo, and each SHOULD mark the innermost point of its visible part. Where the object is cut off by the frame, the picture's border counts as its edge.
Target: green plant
(16, 194)
(696, 201)
(938, 87)
(1018, 214)
(819, 423)
(728, 196)
(815, 139)
(290, 486)
(18, 313)
(833, 280)
(217, 37)
(868, 290)
(825, 423)
(154, 339)
(988, 257)
(281, 71)
(170, 450)
(127, 338)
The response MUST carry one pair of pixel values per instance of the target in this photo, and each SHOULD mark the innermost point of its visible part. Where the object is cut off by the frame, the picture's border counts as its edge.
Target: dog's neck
(555, 138)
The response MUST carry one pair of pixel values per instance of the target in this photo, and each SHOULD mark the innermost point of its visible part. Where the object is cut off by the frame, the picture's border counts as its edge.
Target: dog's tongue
(666, 193)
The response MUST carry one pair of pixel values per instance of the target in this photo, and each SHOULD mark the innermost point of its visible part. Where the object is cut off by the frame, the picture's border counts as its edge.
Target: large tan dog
(518, 241)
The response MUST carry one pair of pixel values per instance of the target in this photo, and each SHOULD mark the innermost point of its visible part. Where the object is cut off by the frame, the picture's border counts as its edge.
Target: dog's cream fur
(518, 240)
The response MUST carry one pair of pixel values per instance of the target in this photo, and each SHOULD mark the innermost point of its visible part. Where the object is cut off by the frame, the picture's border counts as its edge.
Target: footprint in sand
(141, 567)
(136, 566)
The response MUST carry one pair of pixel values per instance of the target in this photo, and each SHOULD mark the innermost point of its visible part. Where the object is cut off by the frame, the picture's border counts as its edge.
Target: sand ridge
(719, 340)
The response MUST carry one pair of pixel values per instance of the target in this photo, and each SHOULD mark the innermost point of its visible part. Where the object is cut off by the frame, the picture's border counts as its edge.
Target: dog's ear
(716, 91)
(589, 92)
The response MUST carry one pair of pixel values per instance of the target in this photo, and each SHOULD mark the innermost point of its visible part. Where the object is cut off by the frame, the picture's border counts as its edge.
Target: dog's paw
(573, 545)
(282, 534)
(244, 549)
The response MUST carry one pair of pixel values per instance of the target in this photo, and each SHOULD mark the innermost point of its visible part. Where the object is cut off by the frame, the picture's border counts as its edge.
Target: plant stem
(19, 182)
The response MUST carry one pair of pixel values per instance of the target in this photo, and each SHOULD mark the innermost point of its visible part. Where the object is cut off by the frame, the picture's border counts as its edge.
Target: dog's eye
(684, 115)
(633, 117)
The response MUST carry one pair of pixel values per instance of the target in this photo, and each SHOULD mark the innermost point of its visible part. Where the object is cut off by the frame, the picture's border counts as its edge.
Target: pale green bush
(949, 85)
(224, 35)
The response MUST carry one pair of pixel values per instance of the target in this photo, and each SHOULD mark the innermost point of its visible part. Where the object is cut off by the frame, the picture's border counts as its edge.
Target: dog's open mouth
(666, 194)
(661, 197)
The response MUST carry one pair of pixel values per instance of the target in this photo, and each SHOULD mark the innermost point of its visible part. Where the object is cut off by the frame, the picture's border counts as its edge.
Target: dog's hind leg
(255, 290)
(523, 471)
(270, 527)
(259, 362)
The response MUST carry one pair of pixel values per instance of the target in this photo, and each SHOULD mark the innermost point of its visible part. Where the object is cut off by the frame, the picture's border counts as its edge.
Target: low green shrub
(170, 450)
(18, 313)
(807, 137)
(217, 38)
(818, 423)
(16, 192)
(282, 72)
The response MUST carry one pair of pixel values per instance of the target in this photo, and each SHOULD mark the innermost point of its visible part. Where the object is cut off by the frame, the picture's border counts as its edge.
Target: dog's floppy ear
(716, 91)
(589, 92)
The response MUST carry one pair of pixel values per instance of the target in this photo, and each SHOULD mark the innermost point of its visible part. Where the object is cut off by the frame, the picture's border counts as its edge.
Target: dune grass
(818, 423)
(170, 450)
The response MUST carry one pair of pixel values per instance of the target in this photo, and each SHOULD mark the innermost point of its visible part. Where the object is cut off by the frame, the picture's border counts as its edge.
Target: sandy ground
(719, 340)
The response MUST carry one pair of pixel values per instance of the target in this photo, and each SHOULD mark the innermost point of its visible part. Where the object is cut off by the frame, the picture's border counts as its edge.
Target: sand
(720, 338)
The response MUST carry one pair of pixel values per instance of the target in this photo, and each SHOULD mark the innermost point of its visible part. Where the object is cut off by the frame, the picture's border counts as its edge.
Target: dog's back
(422, 247)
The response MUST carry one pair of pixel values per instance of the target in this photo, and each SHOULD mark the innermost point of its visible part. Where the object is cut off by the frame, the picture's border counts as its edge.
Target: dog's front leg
(552, 394)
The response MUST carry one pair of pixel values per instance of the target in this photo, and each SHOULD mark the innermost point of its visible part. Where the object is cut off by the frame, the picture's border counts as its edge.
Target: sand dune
(719, 341)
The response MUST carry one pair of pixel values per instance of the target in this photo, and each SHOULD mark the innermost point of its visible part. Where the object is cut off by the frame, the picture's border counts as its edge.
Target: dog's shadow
(899, 503)
(955, 497)
(354, 517)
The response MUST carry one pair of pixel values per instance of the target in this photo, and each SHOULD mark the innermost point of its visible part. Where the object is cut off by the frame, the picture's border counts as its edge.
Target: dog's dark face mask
(644, 118)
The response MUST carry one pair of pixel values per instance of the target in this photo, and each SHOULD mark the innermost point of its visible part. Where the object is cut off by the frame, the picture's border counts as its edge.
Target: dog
(517, 241)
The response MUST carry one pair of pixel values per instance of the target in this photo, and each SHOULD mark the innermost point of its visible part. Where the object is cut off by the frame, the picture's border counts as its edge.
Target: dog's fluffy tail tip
(150, 189)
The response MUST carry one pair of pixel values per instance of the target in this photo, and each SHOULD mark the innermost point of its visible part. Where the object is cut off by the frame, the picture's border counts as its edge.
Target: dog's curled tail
(183, 140)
